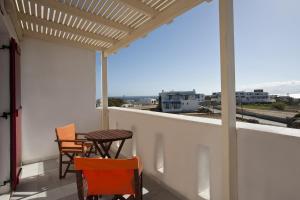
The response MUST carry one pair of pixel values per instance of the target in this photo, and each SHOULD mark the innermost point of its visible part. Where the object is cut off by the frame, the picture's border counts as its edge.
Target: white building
(216, 97)
(180, 101)
(257, 96)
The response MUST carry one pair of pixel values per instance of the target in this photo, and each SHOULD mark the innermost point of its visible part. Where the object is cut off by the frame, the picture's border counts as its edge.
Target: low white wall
(176, 141)
(269, 162)
(268, 157)
(58, 87)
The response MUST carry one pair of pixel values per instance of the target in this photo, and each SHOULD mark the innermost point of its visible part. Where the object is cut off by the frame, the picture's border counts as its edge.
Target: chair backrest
(66, 133)
(109, 176)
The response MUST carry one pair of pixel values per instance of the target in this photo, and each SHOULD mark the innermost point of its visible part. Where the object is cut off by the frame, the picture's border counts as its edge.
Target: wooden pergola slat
(65, 28)
(58, 40)
(138, 5)
(83, 14)
(101, 21)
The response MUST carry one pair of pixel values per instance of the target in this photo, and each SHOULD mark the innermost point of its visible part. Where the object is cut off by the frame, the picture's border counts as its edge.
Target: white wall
(58, 87)
(268, 156)
(178, 141)
(269, 162)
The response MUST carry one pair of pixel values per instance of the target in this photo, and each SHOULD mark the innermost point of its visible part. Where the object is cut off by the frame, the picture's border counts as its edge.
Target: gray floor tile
(42, 183)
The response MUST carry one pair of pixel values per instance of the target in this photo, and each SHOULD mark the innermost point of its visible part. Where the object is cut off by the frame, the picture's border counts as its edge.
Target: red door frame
(15, 110)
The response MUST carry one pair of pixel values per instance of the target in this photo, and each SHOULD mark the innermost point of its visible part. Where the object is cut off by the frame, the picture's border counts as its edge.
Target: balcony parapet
(184, 153)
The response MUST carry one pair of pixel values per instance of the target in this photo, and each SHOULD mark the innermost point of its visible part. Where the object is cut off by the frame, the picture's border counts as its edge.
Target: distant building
(257, 96)
(148, 101)
(287, 99)
(180, 101)
(216, 97)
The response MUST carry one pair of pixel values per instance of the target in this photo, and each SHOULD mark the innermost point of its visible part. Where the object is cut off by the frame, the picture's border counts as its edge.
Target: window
(167, 106)
(177, 105)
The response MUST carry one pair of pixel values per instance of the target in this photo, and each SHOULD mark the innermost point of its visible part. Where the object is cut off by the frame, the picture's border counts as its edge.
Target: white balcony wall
(58, 87)
(182, 138)
(268, 157)
(269, 162)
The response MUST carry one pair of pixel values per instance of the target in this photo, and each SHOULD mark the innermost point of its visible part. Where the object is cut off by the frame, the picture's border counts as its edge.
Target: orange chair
(69, 145)
(109, 177)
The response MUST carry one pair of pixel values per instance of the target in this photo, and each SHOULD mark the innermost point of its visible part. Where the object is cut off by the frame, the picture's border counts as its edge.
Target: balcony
(185, 154)
(184, 157)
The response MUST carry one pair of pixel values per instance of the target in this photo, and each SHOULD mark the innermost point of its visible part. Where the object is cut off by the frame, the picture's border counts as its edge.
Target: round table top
(109, 135)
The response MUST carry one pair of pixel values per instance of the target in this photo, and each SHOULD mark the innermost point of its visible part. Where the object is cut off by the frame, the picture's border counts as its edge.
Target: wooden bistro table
(103, 139)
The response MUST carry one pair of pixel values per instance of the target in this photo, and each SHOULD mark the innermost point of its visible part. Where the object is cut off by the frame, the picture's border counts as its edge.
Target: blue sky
(184, 55)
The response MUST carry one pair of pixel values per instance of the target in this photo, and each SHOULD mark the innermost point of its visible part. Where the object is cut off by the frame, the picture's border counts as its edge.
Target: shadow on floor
(40, 181)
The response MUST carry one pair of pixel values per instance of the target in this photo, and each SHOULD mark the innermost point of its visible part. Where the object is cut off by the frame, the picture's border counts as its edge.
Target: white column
(104, 99)
(229, 135)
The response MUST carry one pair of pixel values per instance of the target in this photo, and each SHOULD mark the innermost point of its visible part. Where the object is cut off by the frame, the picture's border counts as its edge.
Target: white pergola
(108, 25)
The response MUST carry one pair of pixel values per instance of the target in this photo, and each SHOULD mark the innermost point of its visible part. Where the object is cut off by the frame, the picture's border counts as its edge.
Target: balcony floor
(40, 181)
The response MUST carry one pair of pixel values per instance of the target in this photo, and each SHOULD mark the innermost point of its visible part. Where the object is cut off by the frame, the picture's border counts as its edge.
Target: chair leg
(69, 164)
(141, 187)
(138, 186)
(80, 186)
(60, 166)
(90, 198)
(118, 197)
(66, 170)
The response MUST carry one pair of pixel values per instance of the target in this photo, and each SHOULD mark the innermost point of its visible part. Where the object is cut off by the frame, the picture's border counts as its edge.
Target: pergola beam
(53, 39)
(65, 28)
(83, 14)
(141, 7)
(164, 17)
(229, 134)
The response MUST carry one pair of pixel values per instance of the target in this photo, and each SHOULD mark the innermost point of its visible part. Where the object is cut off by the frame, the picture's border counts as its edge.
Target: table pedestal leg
(119, 149)
(98, 149)
(106, 148)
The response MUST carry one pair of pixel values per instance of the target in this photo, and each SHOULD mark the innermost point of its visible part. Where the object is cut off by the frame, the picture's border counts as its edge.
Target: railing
(185, 154)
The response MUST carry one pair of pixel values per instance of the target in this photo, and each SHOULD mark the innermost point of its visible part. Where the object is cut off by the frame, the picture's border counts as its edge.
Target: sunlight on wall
(134, 141)
(159, 153)
(203, 172)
